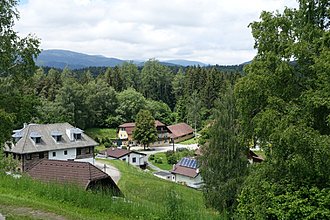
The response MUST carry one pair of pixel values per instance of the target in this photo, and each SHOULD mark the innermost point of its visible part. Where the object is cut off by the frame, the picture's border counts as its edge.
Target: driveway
(112, 171)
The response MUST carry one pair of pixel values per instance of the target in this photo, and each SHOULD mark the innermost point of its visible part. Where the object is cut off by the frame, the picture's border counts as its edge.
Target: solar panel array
(188, 162)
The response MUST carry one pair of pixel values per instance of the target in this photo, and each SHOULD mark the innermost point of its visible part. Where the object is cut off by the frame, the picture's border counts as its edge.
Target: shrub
(152, 157)
(107, 144)
(159, 160)
(172, 159)
(169, 153)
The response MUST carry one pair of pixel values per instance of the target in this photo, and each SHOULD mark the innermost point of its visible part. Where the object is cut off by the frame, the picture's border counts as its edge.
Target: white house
(60, 141)
(131, 157)
(186, 171)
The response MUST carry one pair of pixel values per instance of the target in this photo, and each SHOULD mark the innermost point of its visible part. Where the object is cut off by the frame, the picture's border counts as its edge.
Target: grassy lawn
(260, 153)
(161, 156)
(146, 197)
(193, 140)
(102, 133)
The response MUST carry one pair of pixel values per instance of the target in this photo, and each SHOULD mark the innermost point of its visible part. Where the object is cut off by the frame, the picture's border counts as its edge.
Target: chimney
(24, 125)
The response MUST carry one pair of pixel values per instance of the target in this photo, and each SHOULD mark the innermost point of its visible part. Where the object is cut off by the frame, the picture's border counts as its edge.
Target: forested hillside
(110, 96)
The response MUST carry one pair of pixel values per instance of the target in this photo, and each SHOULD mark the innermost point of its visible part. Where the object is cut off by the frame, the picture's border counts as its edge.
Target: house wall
(86, 154)
(183, 138)
(28, 160)
(122, 134)
(71, 154)
(186, 180)
(140, 159)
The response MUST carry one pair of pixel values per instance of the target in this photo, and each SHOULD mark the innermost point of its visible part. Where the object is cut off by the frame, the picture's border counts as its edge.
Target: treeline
(115, 95)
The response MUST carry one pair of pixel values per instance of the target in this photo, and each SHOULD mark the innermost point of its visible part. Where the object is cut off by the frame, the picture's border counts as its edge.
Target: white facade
(68, 154)
(132, 158)
(122, 134)
(64, 154)
(194, 182)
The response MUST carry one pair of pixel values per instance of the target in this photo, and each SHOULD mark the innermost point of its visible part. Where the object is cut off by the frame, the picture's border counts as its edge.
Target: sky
(209, 31)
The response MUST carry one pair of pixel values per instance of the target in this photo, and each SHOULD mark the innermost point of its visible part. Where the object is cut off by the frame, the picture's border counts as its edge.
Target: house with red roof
(132, 157)
(186, 171)
(125, 134)
(180, 132)
(82, 174)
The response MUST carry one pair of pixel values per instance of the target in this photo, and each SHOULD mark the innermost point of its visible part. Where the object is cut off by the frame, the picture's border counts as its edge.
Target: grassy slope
(164, 165)
(143, 187)
(146, 198)
(190, 141)
(102, 133)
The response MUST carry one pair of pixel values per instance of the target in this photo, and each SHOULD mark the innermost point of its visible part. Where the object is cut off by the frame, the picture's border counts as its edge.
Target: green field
(146, 197)
(102, 133)
(193, 140)
(161, 156)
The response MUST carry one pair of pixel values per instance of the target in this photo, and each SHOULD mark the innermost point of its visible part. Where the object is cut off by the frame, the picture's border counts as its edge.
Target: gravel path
(112, 171)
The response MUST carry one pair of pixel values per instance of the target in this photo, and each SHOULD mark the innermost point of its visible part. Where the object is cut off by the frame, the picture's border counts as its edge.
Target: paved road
(115, 173)
(112, 171)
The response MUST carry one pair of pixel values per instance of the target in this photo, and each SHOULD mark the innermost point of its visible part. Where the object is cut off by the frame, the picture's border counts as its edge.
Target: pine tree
(224, 160)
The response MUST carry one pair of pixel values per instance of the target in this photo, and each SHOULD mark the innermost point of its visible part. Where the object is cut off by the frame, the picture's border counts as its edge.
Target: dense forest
(111, 96)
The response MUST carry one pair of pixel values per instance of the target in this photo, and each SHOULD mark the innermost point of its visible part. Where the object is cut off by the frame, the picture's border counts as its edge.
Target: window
(65, 152)
(28, 157)
(41, 155)
(54, 154)
(134, 159)
(77, 136)
(88, 150)
(124, 159)
(38, 140)
(58, 138)
(78, 151)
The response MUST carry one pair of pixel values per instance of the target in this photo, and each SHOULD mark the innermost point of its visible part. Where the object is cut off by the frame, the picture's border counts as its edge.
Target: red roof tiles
(179, 130)
(118, 153)
(72, 172)
(185, 171)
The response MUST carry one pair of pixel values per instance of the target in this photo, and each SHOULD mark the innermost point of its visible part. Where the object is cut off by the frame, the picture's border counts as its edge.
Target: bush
(152, 157)
(169, 153)
(172, 159)
(107, 144)
(159, 160)
(181, 149)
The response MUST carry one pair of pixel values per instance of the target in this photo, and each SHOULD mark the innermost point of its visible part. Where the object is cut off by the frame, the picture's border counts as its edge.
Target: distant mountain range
(73, 60)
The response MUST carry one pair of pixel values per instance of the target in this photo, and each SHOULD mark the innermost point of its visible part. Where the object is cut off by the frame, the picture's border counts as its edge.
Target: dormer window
(57, 135)
(77, 136)
(17, 136)
(74, 134)
(36, 137)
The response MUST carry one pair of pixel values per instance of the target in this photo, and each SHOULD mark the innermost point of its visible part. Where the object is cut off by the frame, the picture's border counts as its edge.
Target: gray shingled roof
(27, 145)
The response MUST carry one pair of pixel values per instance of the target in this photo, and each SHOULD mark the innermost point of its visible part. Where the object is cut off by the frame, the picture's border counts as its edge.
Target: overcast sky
(210, 31)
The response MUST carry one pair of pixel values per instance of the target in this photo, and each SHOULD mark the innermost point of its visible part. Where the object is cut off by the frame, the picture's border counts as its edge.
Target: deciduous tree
(145, 131)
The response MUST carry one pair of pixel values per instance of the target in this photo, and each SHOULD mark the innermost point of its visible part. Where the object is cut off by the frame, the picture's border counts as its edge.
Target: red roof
(127, 125)
(179, 130)
(118, 153)
(80, 173)
(159, 124)
(185, 171)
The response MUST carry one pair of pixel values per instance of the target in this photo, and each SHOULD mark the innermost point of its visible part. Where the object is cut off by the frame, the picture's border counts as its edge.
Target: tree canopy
(283, 103)
(145, 131)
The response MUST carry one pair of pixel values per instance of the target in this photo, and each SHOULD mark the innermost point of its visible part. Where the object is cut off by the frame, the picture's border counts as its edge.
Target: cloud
(213, 31)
